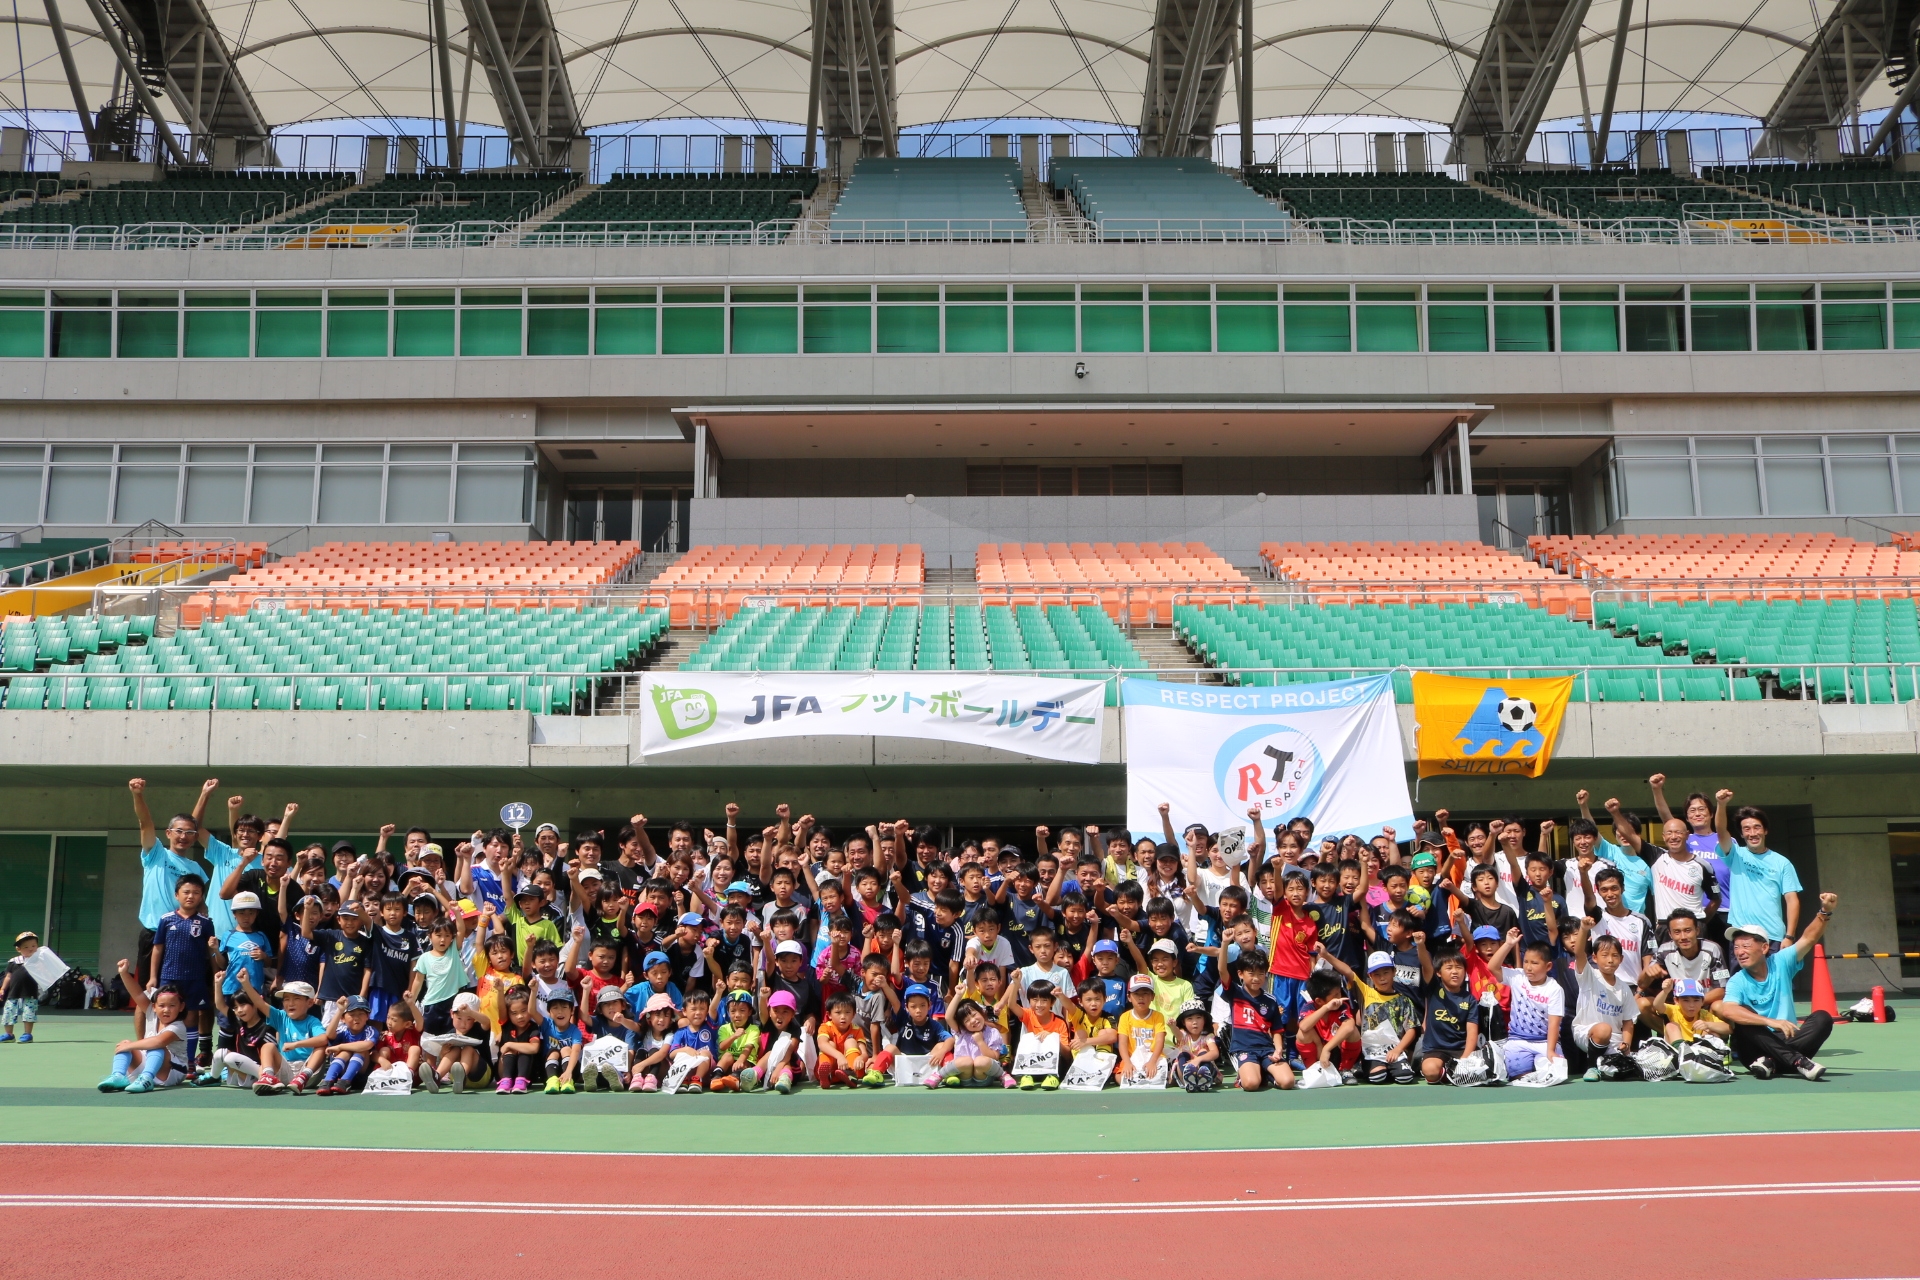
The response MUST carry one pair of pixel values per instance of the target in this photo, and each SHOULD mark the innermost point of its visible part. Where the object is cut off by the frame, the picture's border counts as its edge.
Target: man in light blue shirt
(1636, 880)
(162, 863)
(1759, 1000)
(1762, 887)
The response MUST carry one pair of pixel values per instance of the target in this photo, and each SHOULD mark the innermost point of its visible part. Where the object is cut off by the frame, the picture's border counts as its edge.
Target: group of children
(765, 960)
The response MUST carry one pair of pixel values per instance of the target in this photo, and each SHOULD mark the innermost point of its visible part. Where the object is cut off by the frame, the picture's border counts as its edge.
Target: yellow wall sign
(1496, 727)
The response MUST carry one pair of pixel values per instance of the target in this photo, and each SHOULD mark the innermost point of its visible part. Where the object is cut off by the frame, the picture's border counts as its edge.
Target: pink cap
(783, 1000)
(659, 1001)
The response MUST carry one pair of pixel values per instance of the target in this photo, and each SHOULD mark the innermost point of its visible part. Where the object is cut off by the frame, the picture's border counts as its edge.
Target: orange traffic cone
(1823, 1000)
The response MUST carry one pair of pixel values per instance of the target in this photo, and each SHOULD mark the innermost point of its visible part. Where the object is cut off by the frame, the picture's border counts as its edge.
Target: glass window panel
(215, 495)
(489, 331)
(1316, 328)
(83, 297)
(762, 330)
(1246, 293)
(417, 495)
(350, 495)
(1723, 446)
(1654, 293)
(1039, 293)
(149, 335)
(1043, 328)
(1180, 293)
(287, 298)
(694, 293)
(1853, 326)
(1720, 292)
(1655, 328)
(1857, 444)
(1862, 486)
(23, 297)
(286, 334)
(495, 453)
(1456, 293)
(1248, 328)
(423, 331)
(1729, 487)
(84, 335)
(1586, 328)
(765, 293)
(1387, 328)
(909, 293)
(23, 334)
(1910, 484)
(1657, 488)
(282, 495)
(357, 298)
(20, 495)
(420, 452)
(1721, 328)
(1854, 290)
(626, 293)
(693, 331)
(1317, 293)
(977, 293)
(1522, 293)
(1456, 328)
(904, 330)
(1771, 445)
(623, 331)
(1112, 328)
(490, 297)
(1388, 292)
(423, 297)
(353, 453)
(165, 453)
(1181, 328)
(22, 454)
(83, 453)
(971, 328)
(357, 333)
(1522, 328)
(557, 297)
(1783, 328)
(838, 330)
(217, 453)
(839, 293)
(557, 331)
(1110, 293)
(1906, 326)
(1796, 487)
(219, 335)
(149, 298)
(283, 453)
(146, 493)
(1589, 292)
(489, 495)
(77, 495)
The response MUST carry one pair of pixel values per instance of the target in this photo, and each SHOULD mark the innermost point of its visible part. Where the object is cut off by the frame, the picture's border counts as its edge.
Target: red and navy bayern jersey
(1255, 1015)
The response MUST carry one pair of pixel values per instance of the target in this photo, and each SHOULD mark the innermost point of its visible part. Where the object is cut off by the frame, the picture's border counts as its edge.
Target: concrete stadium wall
(954, 527)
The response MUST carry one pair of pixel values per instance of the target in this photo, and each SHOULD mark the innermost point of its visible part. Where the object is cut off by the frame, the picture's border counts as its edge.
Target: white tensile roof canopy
(637, 60)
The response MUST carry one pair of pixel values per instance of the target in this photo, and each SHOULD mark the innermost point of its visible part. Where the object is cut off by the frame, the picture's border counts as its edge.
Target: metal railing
(1736, 590)
(627, 232)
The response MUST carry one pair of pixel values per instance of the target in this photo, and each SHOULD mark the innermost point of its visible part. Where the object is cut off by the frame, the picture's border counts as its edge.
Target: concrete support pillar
(730, 153)
(409, 162)
(375, 167)
(1466, 456)
(1030, 156)
(1856, 862)
(580, 155)
(1474, 148)
(762, 154)
(1384, 159)
(1679, 152)
(997, 145)
(1647, 150)
(1416, 153)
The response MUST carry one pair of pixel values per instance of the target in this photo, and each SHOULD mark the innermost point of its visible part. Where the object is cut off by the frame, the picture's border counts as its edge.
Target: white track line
(1172, 1208)
(959, 1155)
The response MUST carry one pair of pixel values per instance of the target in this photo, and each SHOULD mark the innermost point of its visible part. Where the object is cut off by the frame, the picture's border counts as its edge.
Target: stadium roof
(631, 60)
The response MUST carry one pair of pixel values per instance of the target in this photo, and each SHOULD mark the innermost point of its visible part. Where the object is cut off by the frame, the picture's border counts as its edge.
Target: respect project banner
(1330, 752)
(1053, 719)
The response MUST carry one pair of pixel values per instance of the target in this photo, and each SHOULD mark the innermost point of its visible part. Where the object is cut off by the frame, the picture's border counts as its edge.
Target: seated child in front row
(977, 1050)
(1196, 1060)
(1327, 1031)
(158, 1059)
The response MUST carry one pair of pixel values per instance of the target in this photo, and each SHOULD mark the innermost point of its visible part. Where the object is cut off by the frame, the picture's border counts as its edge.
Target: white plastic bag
(1038, 1055)
(603, 1052)
(1543, 1076)
(1133, 1078)
(1319, 1075)
(1658, 1060)
(394, 1081)
(677, 1073)
(777, 1054)
(910, 1068)
(1090, 1071)
(1705, 1062)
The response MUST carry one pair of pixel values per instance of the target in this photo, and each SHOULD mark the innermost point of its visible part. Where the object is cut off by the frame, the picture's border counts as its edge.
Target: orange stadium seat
(1137, 580)
(1771, 566)
(1405, 572)
(700, 585)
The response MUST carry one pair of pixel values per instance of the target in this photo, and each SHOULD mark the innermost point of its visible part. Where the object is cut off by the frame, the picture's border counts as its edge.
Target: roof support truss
(1193, 51)
(856, 73)
(1519, 64)
(528, 74)
(180, 51)
(1859, 39)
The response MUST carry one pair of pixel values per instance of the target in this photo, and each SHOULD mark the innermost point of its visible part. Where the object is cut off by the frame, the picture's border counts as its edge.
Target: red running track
(1787, 1206)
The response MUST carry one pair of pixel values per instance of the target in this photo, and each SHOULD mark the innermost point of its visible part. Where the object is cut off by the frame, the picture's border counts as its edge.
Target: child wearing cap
(247, 951)
(1197, 1050)
(920, 1034)
(1107, 976)
(778, 1023)
(300, 956)
(1039, 1019)
(1142, 1030)
(1170, 991)
(297, 1033)
(457, 1059)
(656, 982)
(652, 1044)
(349, 1047)
(564, 1043)
(738, 1044)
(343, 955)
(20, 992)
(1092, 1028)
(1687, 1016)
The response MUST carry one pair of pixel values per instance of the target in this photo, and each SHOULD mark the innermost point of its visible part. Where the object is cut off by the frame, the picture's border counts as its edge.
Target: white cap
(246, 902)
(1379, 960)
(1166, 946)
(296, 989)
(591, 873)
(790, 948)
(466, 1001)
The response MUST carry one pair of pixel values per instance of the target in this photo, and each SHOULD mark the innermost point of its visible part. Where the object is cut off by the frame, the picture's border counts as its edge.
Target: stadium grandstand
(415, 413)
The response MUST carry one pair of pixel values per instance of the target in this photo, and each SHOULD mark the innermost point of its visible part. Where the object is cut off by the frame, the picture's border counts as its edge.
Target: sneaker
(457, 1077)
(784, 1082)
(519, 1085)
(6, 1038)
(649, 1085)
(1051, 1082)
(726, 1084)
(637, 1085)
(266, 1086)
(207, 1077)
(933, 1082)
(1593, 1074)
(691, 1086)
(567, 1086)
(429, 1081)
(552, 1085)
(1761, 1068)
(140, 1084)
(114, 1083)
(610, 1078)
(299, 1083)
(26, 1037)
(327, 1090)
(1808, 1068)
(749, 1080)
(1006, 1082)
(1026, 1082)
(1348, 1077)
(505, 1086)
(873, 1079)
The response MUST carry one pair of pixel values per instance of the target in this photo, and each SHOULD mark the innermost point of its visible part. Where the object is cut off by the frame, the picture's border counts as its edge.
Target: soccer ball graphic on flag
(1516, 715)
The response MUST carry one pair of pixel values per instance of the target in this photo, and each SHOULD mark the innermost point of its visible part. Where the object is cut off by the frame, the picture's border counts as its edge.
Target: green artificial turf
(47, 1095)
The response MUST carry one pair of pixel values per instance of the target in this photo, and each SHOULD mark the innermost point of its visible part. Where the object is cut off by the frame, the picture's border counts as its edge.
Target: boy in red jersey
(1295, 936)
